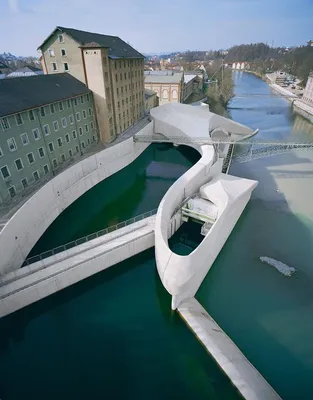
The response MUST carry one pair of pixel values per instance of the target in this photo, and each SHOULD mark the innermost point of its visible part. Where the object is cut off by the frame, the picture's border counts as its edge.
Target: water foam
(281, 267)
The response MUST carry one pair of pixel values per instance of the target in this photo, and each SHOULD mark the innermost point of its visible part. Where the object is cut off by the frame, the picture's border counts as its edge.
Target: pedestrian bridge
(58, 268)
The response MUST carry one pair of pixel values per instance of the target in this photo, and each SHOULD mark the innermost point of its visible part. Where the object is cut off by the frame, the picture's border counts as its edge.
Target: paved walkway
(240, 371)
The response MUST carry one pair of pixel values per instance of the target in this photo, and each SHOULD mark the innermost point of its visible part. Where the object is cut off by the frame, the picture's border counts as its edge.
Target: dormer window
(61, 39)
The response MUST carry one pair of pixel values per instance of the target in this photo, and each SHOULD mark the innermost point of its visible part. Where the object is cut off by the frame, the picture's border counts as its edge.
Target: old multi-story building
(45, 121)
(308, 91)
(111, 68)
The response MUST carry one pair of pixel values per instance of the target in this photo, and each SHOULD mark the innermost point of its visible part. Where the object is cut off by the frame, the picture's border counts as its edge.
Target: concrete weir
(249, 382)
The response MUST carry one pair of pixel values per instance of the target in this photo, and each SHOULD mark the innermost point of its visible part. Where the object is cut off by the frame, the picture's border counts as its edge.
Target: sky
(159, 25)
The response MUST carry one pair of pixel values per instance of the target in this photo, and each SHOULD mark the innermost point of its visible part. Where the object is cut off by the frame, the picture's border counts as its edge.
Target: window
(54, 163)
(80, 131)
(118, 104)
(5, 123)
(78, 116)
(93, 138)
(24, 183)
(126, 100)
(11, 144)
(117, 91)
(122, 102)
(83, 145)
(46, 169)
(63, 52)
(42, 111)
(56, 125)
(46, 129)
(88, 142)
(75, 101)
(31, 158)
(106, 76)
(110, 121)
(116, 78)
(19, 164)
(61, 106)
(12, 191)
(51, 147)
(109, 107)
(18, 119)
(87, 95)
(60, 143)
(74, 134)
(107, 92)
(122, 90)
(1, 153)
(61, 39)
(64, 122)
(68, 101)
(71, 117)
(86, 128)
(91, 125)
(54, 66)
(121, 76)
(67, 138)
(82, 100)
(66, 68)
(62, 157)
(125, 88)
(77, 149)
(36, 134)
(52, 109)
(125, 76)
(51, 52)
(70, 153)
(36, 175)
(41, 152)
(31, 115)
(84, 114)
(24, 139)
(5, 172)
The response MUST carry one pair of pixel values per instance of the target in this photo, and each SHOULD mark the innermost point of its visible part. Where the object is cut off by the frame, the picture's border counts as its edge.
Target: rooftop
(26, 71)
(117, 48)
(29, 92)
(158, 78)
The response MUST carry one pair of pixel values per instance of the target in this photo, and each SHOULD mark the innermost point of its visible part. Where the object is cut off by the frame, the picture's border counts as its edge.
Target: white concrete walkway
(32, 283)
(240, 371)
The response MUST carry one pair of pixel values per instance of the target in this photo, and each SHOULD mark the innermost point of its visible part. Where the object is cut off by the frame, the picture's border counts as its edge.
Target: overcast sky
(159, 25)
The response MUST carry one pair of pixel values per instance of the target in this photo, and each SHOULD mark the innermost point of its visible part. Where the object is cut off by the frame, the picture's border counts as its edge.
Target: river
(114, 336)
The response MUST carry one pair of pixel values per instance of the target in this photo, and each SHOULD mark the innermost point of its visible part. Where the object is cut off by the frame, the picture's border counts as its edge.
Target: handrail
(87, 238)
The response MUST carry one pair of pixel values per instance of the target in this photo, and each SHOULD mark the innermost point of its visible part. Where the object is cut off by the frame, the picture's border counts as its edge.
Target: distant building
(45, 120)
(108, 66)
(310, 43)
(29, 70)
(173, 86)
(167, 84)
(308, 91)
(151, 100)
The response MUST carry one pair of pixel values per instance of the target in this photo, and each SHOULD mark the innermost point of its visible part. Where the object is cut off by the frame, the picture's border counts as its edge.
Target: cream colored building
(308, 91)
(111, 68)
(151, 100)
(167, 84)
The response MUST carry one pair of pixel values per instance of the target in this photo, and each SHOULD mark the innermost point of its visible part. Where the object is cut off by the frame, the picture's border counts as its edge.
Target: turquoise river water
(113, 336)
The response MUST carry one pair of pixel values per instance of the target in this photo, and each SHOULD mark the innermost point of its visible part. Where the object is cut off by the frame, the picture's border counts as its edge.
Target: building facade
(308, 91)
(151, 100)
(42, 129)
(108, 66)
(167, 84)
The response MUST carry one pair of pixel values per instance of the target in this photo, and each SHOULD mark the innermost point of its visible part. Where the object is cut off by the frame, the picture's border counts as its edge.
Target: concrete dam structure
(203, 193)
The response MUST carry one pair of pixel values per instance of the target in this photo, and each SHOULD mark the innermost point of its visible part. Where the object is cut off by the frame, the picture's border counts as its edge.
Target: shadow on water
(267, 314)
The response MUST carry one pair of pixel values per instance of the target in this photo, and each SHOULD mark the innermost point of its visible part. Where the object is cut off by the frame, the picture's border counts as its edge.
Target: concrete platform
(240, 371)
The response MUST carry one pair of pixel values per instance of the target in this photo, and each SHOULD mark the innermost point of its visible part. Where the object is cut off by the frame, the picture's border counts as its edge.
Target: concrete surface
(239, 370)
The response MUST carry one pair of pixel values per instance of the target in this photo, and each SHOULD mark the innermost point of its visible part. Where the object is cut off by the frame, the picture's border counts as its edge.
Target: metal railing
(87, 238)
(156, 138)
